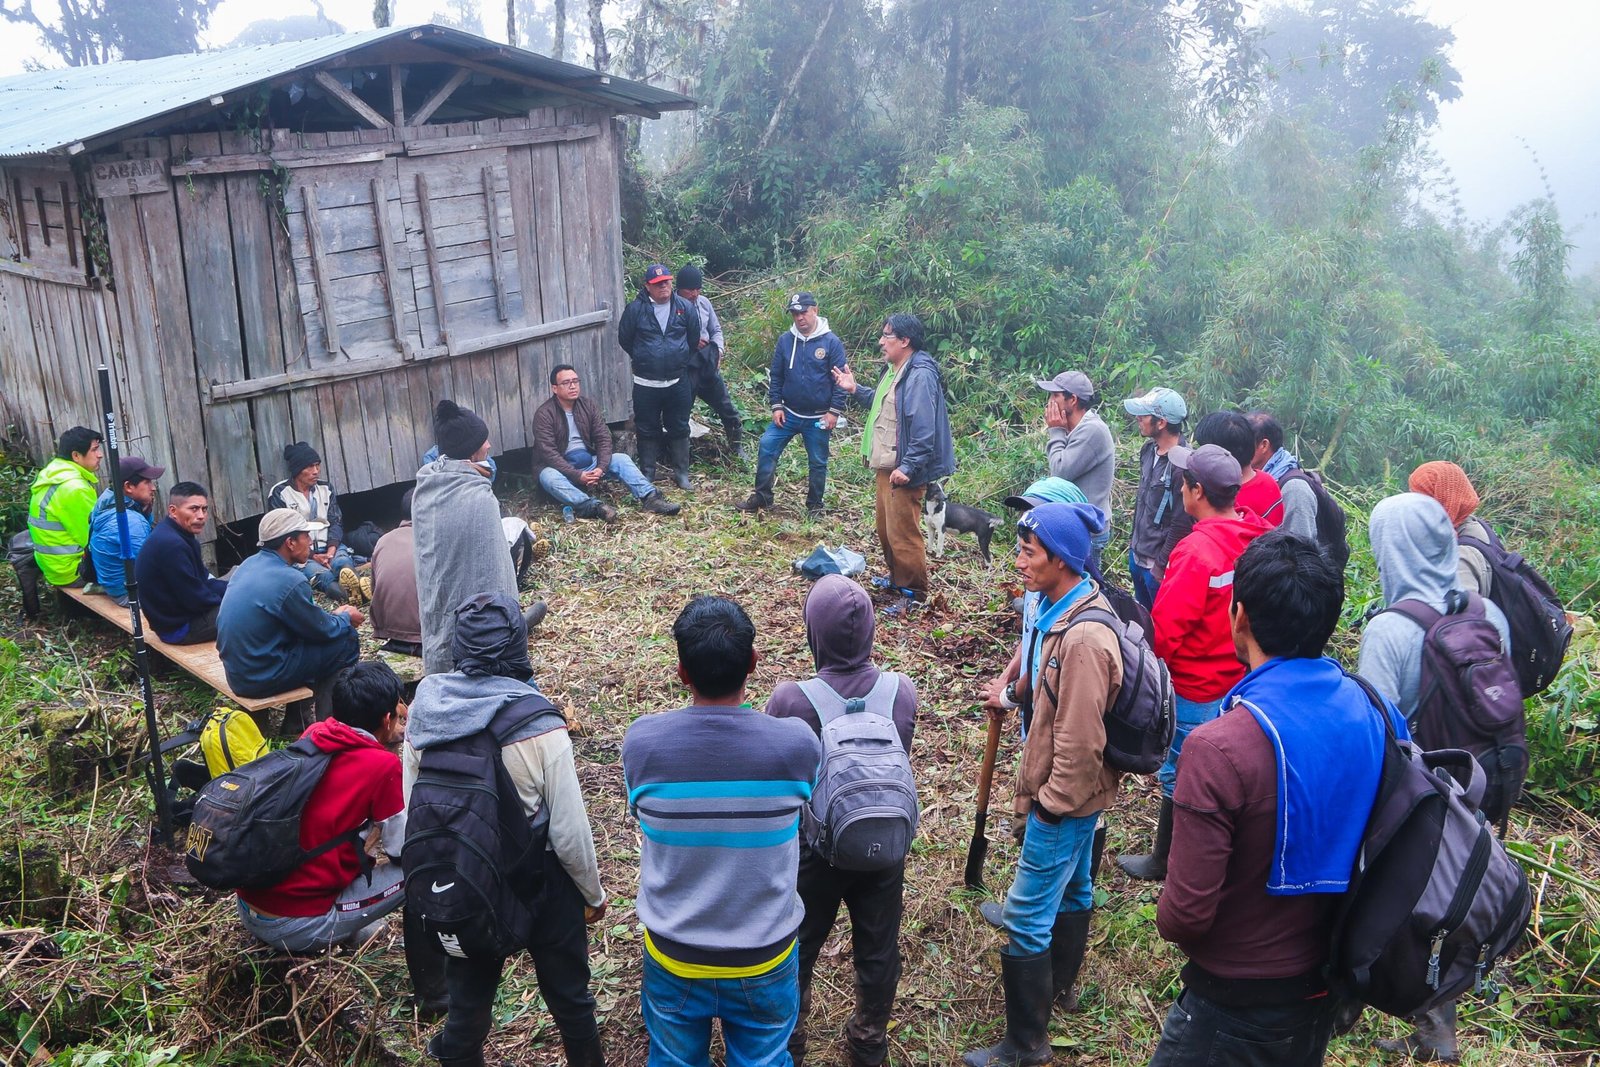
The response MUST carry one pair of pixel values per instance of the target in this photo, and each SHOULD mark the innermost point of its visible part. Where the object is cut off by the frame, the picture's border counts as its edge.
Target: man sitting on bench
(105, 533)
(177, 593)
(271, 636)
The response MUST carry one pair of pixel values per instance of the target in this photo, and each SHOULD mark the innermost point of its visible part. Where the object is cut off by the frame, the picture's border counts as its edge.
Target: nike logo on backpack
(437, 888)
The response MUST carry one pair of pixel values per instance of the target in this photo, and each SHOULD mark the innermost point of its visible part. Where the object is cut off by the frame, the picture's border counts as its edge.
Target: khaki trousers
(900, 533)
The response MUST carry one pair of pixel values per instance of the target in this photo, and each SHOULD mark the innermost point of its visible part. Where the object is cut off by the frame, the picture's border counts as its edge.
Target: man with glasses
(805, 400)
(572, 449)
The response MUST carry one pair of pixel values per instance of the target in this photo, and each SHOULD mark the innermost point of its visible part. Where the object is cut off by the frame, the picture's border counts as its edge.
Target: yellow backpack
(230, 739)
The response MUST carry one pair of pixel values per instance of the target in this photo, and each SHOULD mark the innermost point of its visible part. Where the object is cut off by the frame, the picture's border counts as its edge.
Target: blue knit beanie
(1065, 530)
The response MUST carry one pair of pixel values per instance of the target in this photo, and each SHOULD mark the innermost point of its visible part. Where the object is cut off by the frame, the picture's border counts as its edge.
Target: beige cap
(281, 522)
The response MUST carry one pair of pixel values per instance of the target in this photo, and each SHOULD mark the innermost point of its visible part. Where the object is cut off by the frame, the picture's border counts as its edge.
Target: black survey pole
(154, 770)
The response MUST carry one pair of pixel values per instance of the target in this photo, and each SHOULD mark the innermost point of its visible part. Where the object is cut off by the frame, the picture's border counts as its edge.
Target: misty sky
(1528, 73)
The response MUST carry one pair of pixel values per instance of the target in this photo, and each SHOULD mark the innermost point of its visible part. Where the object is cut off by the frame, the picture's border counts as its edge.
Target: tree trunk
(597, 36)
(381, 14)
(511, 23)
(794, 79)
(952, 63)
(559, 48)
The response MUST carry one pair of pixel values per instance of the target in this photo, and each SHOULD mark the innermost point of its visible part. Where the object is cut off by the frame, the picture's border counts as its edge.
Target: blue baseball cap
(1161, 402)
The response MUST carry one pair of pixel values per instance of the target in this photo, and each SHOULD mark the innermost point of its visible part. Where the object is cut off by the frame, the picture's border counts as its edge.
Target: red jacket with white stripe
(1191, 608)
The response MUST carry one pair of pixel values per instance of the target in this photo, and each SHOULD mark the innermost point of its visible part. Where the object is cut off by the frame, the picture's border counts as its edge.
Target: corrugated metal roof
(50, 111)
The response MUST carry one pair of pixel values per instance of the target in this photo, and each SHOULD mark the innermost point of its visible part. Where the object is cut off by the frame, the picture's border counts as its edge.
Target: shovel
(979, 848)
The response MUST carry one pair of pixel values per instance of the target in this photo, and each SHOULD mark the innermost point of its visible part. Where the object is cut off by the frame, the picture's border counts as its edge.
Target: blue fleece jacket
(174, 586)
(1328, 741)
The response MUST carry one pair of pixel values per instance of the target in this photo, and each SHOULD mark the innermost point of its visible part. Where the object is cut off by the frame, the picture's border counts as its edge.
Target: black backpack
(1332, 525)
(1435, 900)
(245, 833)
(1540, 631)
(1468, 697)
(473, 859)
(1140, 722)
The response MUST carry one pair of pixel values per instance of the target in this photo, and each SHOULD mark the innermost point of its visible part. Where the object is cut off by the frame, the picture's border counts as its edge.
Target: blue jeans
(1097, 548)
(621, 467)
(776, 438)
(327, 578)
(757, 1015)
(362, 902)
(1190, 713)
(1052, 877)
(1144, 583)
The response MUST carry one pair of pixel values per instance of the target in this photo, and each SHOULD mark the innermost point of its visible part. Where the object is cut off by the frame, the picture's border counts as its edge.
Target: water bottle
(568, 516)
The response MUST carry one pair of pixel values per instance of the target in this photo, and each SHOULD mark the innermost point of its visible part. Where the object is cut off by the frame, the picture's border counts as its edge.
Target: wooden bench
(200, 660)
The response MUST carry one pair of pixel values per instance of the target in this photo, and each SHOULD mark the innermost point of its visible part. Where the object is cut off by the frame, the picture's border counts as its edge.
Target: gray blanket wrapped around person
(455, 519)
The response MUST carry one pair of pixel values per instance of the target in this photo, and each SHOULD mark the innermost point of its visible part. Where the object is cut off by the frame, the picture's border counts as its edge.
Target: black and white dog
(940, 513)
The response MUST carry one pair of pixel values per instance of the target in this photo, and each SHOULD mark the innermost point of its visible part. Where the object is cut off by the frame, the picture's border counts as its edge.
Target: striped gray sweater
(717, 792)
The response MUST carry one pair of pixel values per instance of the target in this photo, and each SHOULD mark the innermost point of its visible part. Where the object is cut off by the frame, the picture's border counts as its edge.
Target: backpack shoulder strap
(825, 700)
(1415, 610)
(880, 698)
(517, 716)
(1105, 618)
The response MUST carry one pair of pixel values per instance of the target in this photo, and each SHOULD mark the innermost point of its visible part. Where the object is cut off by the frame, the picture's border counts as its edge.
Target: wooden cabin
(314, 240)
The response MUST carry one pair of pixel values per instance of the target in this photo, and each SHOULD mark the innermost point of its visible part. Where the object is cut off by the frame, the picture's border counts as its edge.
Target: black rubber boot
(1153, 868)
(1434, 1040)
(1098, 852)
(473, 1060)
(1069, 939)
(649, 452)
(737, 448)
(584, 1051)
(426, 966)
(1027, 1041)
(678, 450)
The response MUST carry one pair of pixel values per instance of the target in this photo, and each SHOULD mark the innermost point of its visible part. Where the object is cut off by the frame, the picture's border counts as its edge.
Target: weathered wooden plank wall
(215, 284)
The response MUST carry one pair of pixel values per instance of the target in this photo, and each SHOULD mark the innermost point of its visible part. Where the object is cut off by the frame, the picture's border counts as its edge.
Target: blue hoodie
(800, 379)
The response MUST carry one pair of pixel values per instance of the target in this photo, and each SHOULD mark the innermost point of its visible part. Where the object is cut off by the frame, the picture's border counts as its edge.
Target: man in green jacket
(63, 495)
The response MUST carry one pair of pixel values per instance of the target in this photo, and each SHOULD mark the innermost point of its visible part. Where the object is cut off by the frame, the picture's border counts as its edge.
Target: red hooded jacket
(361, 785)
(1191, 608)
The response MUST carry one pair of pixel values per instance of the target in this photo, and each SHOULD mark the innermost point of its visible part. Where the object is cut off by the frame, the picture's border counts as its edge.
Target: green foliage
(98, 31)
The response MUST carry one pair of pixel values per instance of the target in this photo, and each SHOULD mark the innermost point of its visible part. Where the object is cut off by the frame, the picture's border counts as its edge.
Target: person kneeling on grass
(343, 895)
(1062, 783)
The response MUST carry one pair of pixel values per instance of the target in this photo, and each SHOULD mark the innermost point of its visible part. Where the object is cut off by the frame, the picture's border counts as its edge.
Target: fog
(1529, 84)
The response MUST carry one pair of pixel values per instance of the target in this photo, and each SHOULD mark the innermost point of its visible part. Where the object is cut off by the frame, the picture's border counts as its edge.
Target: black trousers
(709, 386)
(663, 414)
(875, 901)
(560, 951)
(1199, 1032)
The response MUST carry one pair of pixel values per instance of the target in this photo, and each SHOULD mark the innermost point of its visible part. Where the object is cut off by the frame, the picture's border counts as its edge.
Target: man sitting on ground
(306, 492)
(839, 629)
(717, 789)
(343, 895)
(178, 595)
(1255, 874)
(572, 449)
(271, 636)
(396, 611)
(493, 682)
(105, 534)
(59, 505)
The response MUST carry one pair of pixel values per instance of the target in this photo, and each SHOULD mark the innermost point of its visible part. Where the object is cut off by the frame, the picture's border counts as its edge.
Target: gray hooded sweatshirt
(454, 705)
(1415, 547)
(839, 628)
(460, 550)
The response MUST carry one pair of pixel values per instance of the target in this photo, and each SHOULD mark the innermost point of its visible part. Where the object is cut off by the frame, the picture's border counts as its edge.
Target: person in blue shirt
(138, 479)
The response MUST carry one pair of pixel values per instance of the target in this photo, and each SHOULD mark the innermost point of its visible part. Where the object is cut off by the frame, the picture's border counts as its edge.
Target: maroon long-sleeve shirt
(1214, 905)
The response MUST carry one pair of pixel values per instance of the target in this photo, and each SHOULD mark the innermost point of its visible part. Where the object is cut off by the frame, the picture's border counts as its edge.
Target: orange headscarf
(1448, 484)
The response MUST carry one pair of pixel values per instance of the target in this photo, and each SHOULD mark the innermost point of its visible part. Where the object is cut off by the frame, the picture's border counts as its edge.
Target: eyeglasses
(888, 333)
(566, 382)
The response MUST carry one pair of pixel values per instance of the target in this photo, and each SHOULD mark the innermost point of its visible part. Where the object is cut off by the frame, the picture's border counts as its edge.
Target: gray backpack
(863, 812)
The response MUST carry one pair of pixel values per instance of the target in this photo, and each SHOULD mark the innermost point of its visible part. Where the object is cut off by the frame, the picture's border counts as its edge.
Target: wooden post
(491, 203)
(391, 274)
